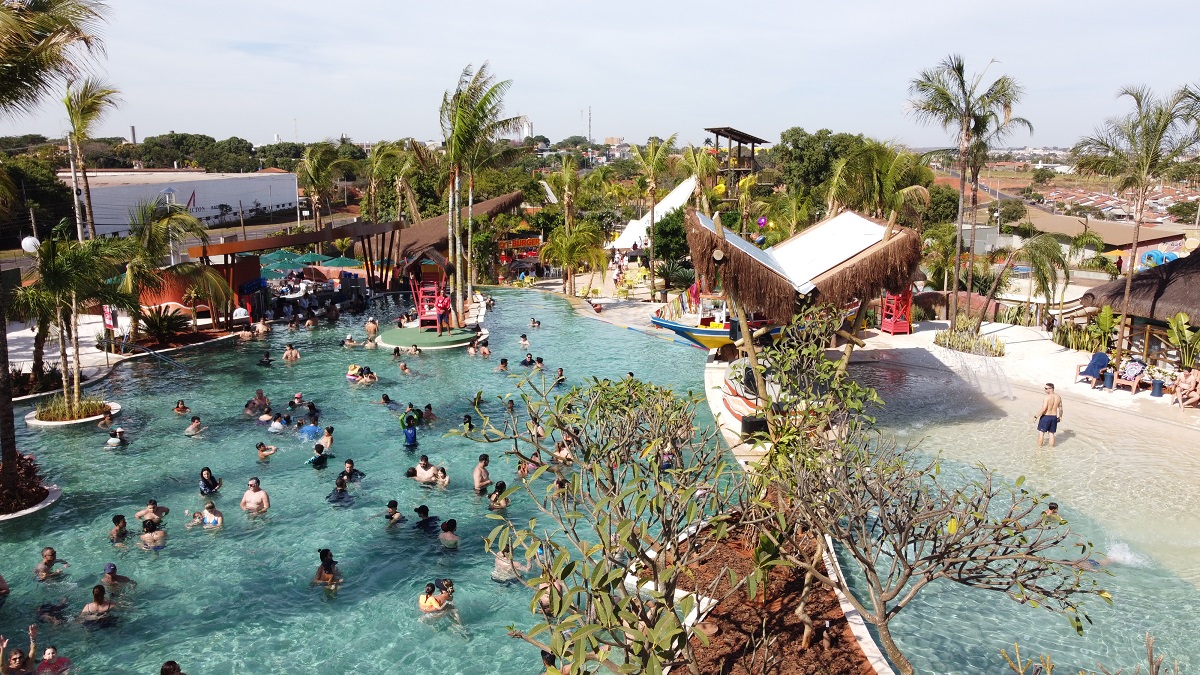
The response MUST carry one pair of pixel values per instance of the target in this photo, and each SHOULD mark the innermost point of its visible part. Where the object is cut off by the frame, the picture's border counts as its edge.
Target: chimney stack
(133, 134)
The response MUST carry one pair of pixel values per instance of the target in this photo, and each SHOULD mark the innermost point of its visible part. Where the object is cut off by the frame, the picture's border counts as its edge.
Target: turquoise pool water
(1134, 495)
(238, 600)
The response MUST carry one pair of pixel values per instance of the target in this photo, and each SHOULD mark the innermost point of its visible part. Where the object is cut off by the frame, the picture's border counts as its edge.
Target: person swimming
(328, 574)
(466, 423)
(340, 496)
(320, 458)
(153, 539)
(265, 360)
(449, 536)
(208, 483)
(410, 433)
(181, 408)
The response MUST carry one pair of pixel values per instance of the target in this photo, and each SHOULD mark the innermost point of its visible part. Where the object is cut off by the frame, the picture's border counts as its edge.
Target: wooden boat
(705, 323)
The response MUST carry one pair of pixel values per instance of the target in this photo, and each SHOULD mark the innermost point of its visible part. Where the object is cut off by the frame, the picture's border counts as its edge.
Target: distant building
(613, 140)
(213, 198)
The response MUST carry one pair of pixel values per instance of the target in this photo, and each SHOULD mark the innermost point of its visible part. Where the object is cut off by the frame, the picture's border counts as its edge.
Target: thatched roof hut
(431, 232)
(1157, 293)
(835, 261)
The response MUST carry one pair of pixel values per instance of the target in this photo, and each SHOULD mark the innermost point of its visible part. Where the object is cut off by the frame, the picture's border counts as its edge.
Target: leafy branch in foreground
(889, 510)
(622, 528)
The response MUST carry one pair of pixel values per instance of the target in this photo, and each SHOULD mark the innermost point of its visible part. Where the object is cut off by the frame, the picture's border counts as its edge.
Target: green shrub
(163, 325)
(54, 409)
(969, 342)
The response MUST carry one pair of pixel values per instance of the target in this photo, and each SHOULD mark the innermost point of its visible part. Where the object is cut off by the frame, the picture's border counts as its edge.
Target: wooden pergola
(734, 168)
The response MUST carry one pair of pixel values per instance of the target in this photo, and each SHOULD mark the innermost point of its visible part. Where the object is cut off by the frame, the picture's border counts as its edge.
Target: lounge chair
(1130, 376)
(1093, 370)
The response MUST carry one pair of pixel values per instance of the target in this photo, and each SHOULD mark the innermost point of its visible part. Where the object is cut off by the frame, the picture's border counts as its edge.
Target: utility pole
(589, 124)
(242, 218)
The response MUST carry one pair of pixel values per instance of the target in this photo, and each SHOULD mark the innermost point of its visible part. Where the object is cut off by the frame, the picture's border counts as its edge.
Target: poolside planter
(31, 419)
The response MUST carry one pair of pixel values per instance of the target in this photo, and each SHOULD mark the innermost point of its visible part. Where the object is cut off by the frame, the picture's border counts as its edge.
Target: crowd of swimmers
(302, 417)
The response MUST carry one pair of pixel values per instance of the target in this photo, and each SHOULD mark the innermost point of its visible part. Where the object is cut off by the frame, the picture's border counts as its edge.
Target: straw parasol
(1157, 293)
(342, 261)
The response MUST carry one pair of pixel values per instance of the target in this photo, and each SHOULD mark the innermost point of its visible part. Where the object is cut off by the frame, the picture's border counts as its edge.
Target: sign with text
(109, 323)
(528, 242)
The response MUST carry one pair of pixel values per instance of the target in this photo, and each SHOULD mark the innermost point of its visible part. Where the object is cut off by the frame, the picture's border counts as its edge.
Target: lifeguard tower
(428, 275)
(427, 280)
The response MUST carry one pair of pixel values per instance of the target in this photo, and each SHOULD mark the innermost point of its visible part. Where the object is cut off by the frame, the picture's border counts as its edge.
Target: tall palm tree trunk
(470, 236)
(75, 347)
(8, 432)
(1137, 232)
(974, 227)
(458, 269)
(963, 145)
(62, 362)
(87, 193)
(650, 254)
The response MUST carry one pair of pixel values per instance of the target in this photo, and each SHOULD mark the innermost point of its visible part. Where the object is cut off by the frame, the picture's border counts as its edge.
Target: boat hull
(709, 338)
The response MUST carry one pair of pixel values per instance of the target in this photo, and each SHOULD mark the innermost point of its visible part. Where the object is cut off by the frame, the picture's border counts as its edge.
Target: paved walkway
(20, 348)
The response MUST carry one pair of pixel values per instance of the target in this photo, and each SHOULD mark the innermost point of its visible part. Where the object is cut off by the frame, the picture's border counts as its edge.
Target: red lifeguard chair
(896, 313)
(425, 287)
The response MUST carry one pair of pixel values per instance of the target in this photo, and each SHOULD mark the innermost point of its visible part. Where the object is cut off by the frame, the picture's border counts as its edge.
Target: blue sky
(375, 69)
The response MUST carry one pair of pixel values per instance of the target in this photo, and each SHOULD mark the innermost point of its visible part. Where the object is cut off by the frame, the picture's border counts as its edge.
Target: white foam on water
(1120, 553)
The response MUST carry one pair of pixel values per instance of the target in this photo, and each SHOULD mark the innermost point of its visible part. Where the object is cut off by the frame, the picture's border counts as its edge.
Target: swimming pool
(1129, 486)
(238, 600)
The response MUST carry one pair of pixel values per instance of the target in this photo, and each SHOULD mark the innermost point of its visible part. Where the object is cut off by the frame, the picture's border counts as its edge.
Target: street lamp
(30, 244)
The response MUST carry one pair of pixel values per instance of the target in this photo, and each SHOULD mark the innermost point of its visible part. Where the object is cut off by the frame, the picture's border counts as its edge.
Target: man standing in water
(1049, 416)
(255, 499)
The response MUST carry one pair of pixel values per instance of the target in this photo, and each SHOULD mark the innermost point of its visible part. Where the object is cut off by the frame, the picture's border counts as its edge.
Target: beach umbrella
(313, 257)
(284, 266)
(385, 261)
(271, 274)
(276, 256)
(341, 261)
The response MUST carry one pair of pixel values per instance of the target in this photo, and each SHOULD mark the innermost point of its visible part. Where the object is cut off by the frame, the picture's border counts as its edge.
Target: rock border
(55, 494)
(31, 419)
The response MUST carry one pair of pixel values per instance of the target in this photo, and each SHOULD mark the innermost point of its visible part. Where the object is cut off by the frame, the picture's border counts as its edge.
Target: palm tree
(947, 96)
(384, 160)
(153, 226)
(86, 105)
(318, 168)
(471, 116)
(652, 164)
(879, 180)
(748, 207)
(1136, 150)
(703, 166)
(791, 209)
(43, 42)
(566, 181)
(573, 250)
(989, 129)
(1043, 254)
(485, 154)
(938, 252)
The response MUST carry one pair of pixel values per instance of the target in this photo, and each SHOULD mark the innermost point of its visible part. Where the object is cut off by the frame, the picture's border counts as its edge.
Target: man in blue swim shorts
(1049, 415)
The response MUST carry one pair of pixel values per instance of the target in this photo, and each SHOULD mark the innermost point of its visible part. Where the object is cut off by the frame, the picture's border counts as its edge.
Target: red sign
(108, 318)
(529, 242)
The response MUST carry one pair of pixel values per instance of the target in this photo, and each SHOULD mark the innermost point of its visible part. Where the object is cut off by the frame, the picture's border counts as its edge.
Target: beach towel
(1132, 370)
(1098, 363)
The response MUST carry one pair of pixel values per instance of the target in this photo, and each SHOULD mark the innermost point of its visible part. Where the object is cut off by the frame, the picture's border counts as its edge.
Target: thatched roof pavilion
(835, 261)
(431, 232)
(1158, 293)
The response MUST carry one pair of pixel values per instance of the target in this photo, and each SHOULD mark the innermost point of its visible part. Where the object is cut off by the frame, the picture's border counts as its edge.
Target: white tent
(635, 231)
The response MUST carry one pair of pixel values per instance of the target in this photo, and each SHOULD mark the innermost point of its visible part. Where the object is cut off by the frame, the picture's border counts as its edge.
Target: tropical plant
(162, 324)
(969, 342)
(675, 274)
(471, 119)
(699, 163)
(154, 227)
(792, 210)
(947, 96)
(1044, 256)
(566, 182)
(1137, 150)
(629, 512)
(749, 206)
(881, 181)
(652, 165)
(572, 251)
(60, 409)
(343, 244)
(86, 103)
(43, 42)
(191, 297)
(1184, 338)
(319, 167)
(898, 519)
